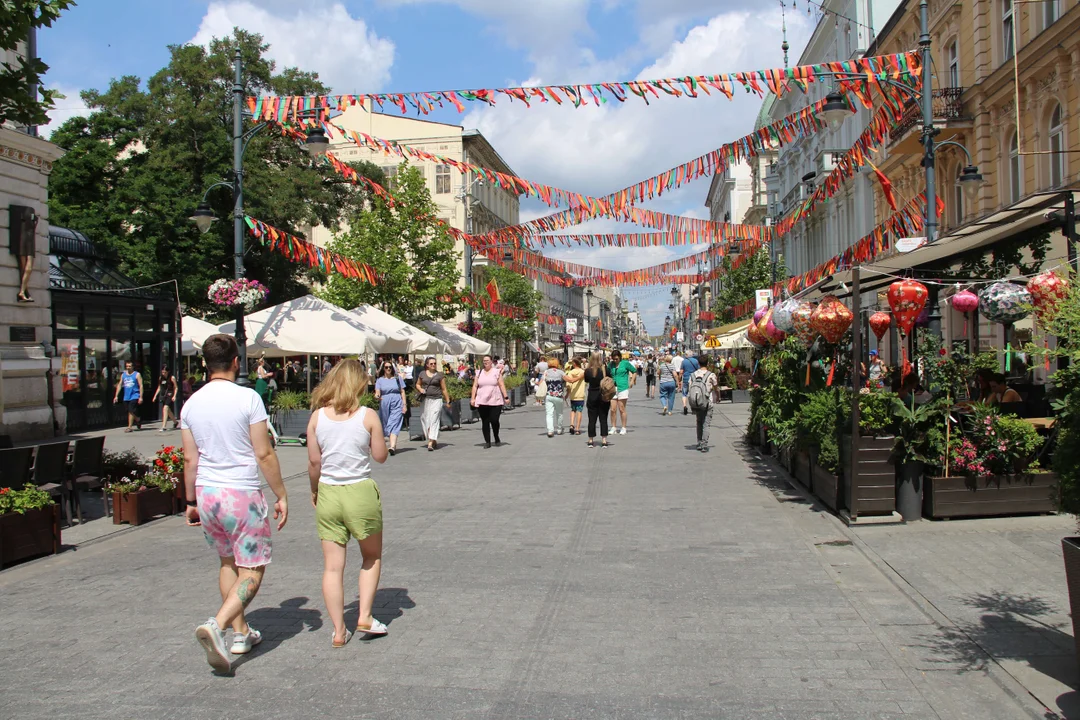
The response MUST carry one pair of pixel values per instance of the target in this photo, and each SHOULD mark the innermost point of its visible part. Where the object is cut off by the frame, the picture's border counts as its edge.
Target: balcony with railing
(949, 114)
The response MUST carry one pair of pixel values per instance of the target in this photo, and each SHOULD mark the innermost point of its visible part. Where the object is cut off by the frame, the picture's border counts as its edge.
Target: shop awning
(532, 347)
(738, 325)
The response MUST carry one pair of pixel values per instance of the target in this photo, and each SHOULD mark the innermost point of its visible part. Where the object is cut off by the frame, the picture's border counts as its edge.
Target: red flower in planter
(159, 463)
(4, 491)
(175, 459)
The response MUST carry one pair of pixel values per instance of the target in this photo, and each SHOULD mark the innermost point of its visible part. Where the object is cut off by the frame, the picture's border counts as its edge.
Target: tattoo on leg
(246, 591)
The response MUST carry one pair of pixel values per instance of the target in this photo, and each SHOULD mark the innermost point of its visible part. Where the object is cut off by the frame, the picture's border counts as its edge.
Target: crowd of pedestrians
(226, 445)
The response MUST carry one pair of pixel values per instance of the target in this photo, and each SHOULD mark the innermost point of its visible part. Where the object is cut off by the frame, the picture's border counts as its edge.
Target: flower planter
(142, 505)
(763, 440)
(784, 455)
(801, 468)
(29, 534)
(1070, 550)
(826, 486)
(996, 495)
(868, 486)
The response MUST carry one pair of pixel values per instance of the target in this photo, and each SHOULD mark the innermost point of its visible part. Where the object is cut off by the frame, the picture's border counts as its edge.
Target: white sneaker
(622, 431)
(212, 639)
(242, 644)
(560, 431)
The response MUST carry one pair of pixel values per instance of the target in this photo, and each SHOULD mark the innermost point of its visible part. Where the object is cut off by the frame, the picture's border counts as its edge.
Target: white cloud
(299, 37)
(69, 106)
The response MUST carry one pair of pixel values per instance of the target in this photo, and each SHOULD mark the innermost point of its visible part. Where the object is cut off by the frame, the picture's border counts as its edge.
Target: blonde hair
(596, 361)
(667, 358)
(342, 388)
(553, 362)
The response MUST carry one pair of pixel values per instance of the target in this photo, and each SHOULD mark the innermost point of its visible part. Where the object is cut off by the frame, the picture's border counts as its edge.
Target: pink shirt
(487, 387)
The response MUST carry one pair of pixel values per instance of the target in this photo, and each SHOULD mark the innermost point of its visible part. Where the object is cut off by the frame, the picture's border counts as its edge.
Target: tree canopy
(138, 165)
(739, 283)
(515, 290)
(411, 251)
(23, 100)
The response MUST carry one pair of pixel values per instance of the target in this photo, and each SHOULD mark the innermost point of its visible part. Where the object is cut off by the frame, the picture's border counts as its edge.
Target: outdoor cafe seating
(56, 469)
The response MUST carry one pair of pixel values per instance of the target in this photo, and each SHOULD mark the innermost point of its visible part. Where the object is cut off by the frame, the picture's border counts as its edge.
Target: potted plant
(291, 410)
(817, 423)
(29, 524)
(137, 499)
(169, 461)
(920, 441)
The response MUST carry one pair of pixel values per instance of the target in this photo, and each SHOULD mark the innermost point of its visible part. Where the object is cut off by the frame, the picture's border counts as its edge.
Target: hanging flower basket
(244, 293)
(567, 339)
(472, 330)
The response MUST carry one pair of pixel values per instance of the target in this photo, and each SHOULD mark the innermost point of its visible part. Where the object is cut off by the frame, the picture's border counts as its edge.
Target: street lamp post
(203, 217)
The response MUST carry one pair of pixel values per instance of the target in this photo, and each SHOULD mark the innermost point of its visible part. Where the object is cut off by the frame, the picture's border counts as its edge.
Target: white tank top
(346, 448)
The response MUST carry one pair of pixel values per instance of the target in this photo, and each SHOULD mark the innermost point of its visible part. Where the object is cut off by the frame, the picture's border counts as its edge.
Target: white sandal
(377, 628)
(334, 642)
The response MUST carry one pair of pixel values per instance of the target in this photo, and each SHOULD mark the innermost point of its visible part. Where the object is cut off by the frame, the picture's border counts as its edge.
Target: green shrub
(19, 500)
(876, 412)
(817, 423)
(290, 400)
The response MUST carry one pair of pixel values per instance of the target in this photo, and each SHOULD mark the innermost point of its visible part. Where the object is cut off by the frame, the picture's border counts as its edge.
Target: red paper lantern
(880, 323)
(965, 301)
(1047, 292)
(907, 298)
(831, 319)
(800, 318)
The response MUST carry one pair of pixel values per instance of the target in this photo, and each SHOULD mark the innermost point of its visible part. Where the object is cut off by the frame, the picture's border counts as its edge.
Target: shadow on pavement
(280, 624)
(390, 604)
(774, 479)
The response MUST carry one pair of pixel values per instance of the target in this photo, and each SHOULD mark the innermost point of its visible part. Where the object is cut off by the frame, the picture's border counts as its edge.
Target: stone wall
(29, 380)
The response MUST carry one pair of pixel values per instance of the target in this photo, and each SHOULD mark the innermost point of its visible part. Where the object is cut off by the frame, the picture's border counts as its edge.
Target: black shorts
(132, 406)
(650, 380)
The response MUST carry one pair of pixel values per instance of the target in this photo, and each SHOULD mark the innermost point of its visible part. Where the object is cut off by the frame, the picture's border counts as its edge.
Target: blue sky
(404, 45)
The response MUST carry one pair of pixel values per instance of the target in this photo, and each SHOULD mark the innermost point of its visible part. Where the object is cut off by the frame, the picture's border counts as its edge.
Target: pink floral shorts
(236, 523)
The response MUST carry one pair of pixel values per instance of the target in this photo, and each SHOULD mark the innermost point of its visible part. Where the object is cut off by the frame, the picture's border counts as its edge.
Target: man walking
(650, 377)
(690, 365)
(225, 439)
(131, 384)
(704, 389)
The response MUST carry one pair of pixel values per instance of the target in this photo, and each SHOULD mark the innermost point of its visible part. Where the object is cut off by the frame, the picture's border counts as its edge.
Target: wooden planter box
(961, 496)
(1070, 550)
(801, 469)
(826, 486)
(763, 440)
(30, 534)
(785, 457)
(142, 505)
(868, 485)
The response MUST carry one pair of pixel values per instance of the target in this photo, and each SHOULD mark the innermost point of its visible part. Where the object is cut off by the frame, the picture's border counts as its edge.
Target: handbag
(541, 388)
(608, 390)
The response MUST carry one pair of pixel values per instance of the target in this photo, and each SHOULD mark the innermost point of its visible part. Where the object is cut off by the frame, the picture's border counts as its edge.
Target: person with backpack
(650, 377)
(688, 367)
(703, 392)
(601, 391)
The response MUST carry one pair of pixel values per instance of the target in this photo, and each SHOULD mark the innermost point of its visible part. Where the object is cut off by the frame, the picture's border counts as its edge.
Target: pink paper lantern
(1048, 291)
(965, 301)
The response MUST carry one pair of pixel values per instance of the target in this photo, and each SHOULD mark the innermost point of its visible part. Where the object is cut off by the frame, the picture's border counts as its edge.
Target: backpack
(607, 388)
(698, 397)
(650, 368)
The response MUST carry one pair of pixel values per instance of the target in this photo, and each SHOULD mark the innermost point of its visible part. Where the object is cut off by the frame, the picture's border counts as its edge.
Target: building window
(1007, 21)
(1014, 169)
(390, 173)
(1051, 11)
(952, 57)
(442, 179)
(1056, 136)
(958, 197)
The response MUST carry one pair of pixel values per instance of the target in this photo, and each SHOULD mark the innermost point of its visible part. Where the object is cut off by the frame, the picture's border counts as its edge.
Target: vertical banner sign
(762, 297)
(571, 326)
(680, 336)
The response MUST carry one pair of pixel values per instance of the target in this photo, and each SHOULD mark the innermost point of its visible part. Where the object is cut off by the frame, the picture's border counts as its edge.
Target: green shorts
(344, 511)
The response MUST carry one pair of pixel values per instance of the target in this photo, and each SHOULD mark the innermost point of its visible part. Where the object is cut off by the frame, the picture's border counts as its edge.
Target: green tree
(138, 165)
(739, 283)
(515, 290)
(22, 98)
(411, 251)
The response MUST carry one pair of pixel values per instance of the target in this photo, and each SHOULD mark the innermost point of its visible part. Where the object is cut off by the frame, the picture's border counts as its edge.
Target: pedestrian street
(539, 579)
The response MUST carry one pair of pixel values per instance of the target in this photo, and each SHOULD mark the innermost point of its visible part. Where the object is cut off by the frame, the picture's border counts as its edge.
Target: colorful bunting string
(777, 81)
(302, 251)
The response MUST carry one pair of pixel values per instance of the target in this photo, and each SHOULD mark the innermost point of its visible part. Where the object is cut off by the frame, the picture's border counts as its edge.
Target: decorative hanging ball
(753, 334)
(772, 333)
(831, 319)
(804, 330)
(965, 301)
(907, 298)
(760, 313)
(880, 323)
(781, 316)
(1047, 291)
(1004, 302)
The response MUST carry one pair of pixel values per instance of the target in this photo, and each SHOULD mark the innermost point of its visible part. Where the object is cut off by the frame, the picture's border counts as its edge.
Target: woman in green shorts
(343, 438)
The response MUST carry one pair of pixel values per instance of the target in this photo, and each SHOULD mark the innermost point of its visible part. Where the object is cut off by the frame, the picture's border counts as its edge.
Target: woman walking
(597, 406)
(390, 392)
(555, 402)
(488, 397)
(343, 438)
(262, 382)
(667, 385)
(165, 394)
(431, 385)
(575, 393)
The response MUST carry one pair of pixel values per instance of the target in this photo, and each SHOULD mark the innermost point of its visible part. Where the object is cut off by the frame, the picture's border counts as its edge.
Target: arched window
(958, 197)
(1056, 145)
(1007, 20)
(1014, 169)
(952, 60)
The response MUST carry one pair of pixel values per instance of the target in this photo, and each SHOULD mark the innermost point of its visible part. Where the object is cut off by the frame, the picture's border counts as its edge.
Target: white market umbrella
(419, 342)
(193, 333)
(458, 342)
(310, 326)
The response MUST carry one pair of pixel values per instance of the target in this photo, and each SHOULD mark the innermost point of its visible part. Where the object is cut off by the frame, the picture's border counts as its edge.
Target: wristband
(192, 503)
